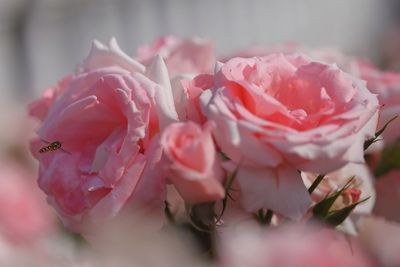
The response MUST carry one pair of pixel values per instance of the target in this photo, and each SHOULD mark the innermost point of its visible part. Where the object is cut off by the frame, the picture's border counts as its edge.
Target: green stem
(203, 227)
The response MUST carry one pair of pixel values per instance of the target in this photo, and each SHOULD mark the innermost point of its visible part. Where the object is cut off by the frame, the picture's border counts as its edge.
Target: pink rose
(279, 114)
(40, 107)
(383, 83)
(290, 246)
(24, 214)
(386, 85)
(191, 55)
(107, 119)
(330, 55)
(188, 102)
(388, 196)
(263, 50)
(192, 162)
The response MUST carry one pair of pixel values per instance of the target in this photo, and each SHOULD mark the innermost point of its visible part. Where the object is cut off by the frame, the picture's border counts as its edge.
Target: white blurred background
(42, 40)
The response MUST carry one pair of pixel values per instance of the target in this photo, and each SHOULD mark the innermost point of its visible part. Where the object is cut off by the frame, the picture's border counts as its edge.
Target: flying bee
(52, 146)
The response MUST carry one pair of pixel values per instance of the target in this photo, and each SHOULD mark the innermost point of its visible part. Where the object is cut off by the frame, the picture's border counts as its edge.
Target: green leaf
(230, 179)
(390, 159)
(336, 217)
(316, 182)
(369, 142)
(321, 209)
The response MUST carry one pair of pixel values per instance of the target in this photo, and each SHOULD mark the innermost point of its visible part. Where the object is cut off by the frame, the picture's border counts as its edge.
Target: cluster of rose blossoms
(180, 136)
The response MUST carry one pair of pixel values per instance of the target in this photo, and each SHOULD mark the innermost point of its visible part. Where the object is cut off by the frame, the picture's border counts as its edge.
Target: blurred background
(42, 40)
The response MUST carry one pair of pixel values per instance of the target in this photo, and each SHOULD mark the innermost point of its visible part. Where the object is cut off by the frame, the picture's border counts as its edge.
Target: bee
(52, 146)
